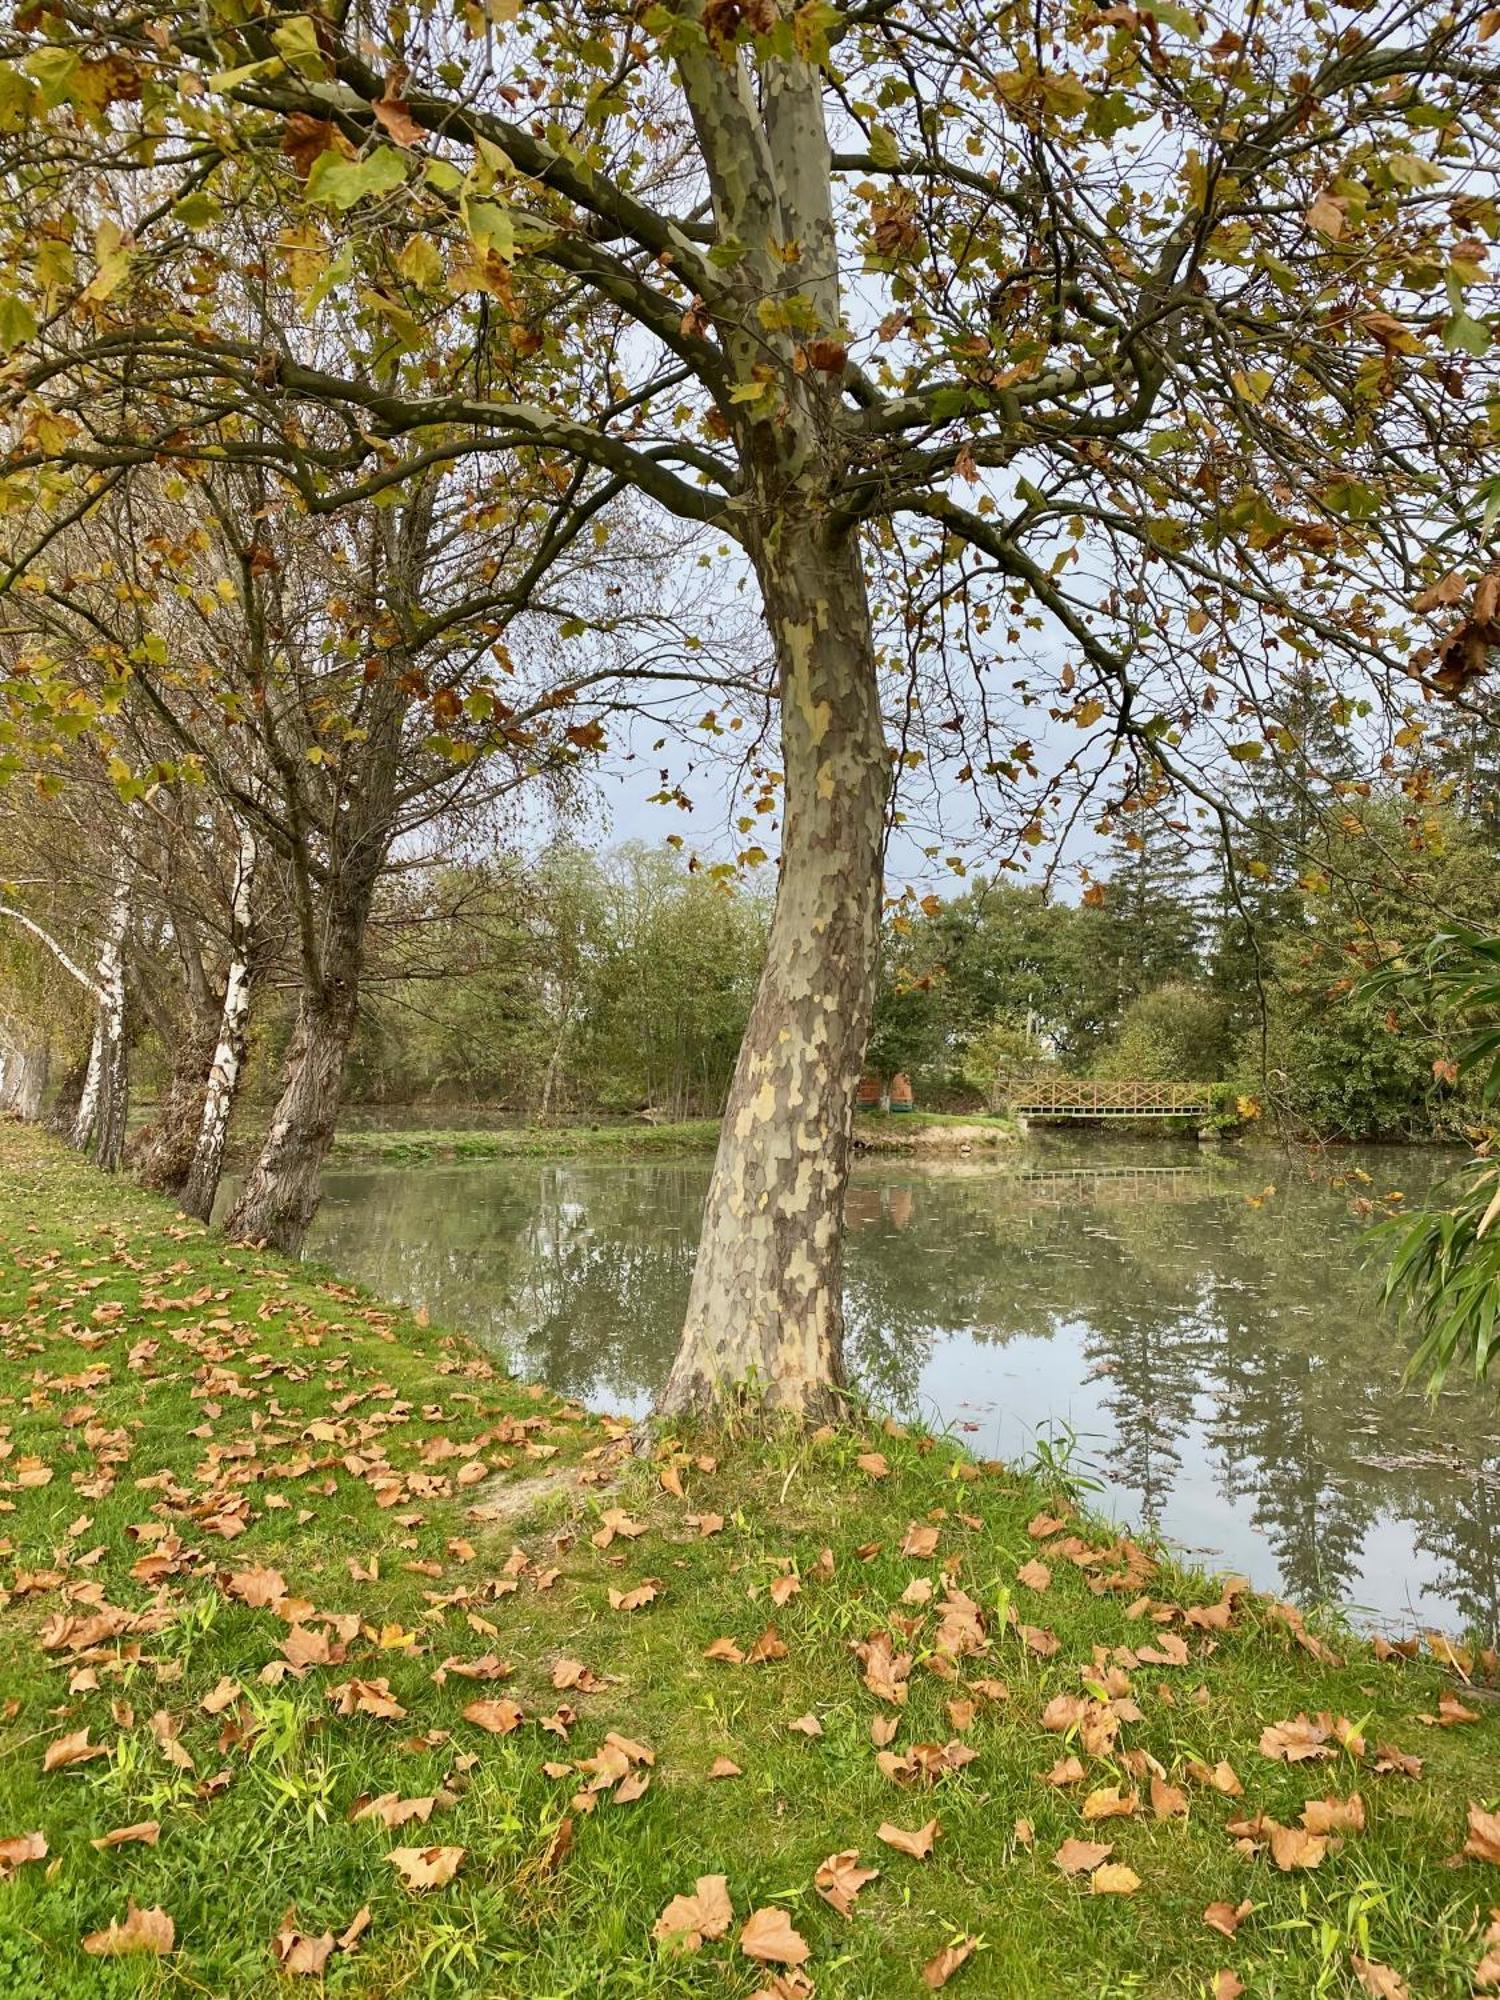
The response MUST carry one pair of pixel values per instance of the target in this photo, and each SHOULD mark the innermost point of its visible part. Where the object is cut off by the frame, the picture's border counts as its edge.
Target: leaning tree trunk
(202, 1182)
(765, 1315)
(162, 1154)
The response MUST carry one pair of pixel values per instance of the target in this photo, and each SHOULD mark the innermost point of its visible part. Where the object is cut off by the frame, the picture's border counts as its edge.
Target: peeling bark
(104, 1106)
(201, 1183)
(765, 1316)
(23, 1077)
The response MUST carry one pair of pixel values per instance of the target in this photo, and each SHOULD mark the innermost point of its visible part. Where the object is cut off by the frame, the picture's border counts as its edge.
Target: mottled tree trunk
(27, 1066)
(765, 1316)
(280, 1197)
(201, 1183)
(162, 1152)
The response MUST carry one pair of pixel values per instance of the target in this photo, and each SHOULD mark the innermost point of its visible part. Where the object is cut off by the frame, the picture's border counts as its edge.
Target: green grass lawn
(267, 1543)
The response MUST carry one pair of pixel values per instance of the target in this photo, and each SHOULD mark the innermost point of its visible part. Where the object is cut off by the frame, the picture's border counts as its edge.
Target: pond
(1197, 1330)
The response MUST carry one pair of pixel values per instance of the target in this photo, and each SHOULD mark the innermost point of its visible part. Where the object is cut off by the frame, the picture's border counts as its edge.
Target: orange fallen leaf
(1168, 1801)
(1292, 1847)
(768, 1938)
(1114, 1879)
(706, 1913)
(1335, 1815)
(806, 1725)
(20, 1848)
(143, 1930)
(1380, 1980)
(840, 1878)
(767, 1647)
(941, 1968)
(1483, 1843)
(1226, 1918)
(1296, 1741)
(1110, 1802)
(726, 1650)
(635, 1600)
(724, 1767)
(918, 1541)
(918, 1845)
(426, 1867)
(1076, 1857)
(1227, 1985)
(1035, 1575)
(72, 1749)
(873, 1462)
(295, 1952)
(146, 1831)
(1066, 1771)
(499, 1717)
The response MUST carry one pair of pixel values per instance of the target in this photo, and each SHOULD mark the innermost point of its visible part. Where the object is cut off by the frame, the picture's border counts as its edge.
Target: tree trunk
(27, 1066)
(765, 1315)
(201, 1183)
(104, 1107)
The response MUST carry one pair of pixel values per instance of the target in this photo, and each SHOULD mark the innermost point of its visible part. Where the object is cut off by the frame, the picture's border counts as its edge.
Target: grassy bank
(874, 1132)
(315, 1607)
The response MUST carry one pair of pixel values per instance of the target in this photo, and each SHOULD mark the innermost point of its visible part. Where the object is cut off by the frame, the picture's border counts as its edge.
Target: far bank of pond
(1197, 1328)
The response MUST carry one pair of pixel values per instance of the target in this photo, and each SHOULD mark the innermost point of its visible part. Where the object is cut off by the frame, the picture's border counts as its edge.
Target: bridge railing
(1088, 1097)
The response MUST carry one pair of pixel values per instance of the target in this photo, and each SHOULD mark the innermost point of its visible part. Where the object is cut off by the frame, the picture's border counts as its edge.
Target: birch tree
(1101, 363)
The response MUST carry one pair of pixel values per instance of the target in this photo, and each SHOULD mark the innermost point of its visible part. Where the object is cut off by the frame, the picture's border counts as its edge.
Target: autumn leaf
(725, 1650)
(873, 1462)
(724, 1767)
(394, 116)
(1110, 1802)
(1076, 1857)
(145, 1831)
(840, 1878)
(1483, 1843)
(20, 1848)
(634, 1600)
(768, 1646)
(295, 1952)
(1379, 1980)
(1296, 1741)
(940, 1969)
(1035, 1575)
(768, 1938)
(706, 1913)
(1226, 1918)
(1115, 1879)
(1334, 1815)
(498, 1717)
(919, 1542)
(374, 1698)
(1293, 1847)
(426, 1867)
(142, 1931)
(918, 1845)
(1168, 1801)
(806, 1725)
(73, 1749)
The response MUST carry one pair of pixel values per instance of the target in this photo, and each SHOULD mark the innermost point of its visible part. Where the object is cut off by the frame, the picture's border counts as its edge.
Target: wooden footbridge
(1075, 1097)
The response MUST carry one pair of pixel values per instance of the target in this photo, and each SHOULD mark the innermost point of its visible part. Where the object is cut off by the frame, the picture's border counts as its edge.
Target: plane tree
(1062, 375)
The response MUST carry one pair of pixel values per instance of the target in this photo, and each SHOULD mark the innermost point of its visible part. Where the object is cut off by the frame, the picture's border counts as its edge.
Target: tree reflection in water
(1236, 1382)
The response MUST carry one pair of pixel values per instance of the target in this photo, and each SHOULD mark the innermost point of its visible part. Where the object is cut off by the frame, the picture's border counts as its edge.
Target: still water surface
(1222, 1366)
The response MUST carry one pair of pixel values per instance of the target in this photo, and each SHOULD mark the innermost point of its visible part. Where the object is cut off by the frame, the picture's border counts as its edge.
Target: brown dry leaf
(918, 1845)
(615, 1521)
(726, 1650)
(1066, 1771)
(1167, 1801)
(706, 1913)
(1076, 1857)
(1483, 1843)
(73, 1749)
(883, 1729)
(1036, 1639)
(634, 1600)
(1035, 1575)
(1452, 1711)
(294, 1952)
(499, 1717)
(1110, 1802)
(1381, 1980)
(1335, 1815)
(146, 1831)
(1115, 1879)
(1292, 1847)
(426, 1867)
(1227, 1985)
(143, 1930)
(873, 1462)
(767, 1647)
(20, 1848)
(724, 1767)
(1296, 1741)
(1226, 1918)
(941, 1968)
(807, 1725)
(784, 1589)
(768, 1938)
(1388, 1758)
(259, 1587)
(393, 1811)
(374, 1698)
(919, 1542)
(840, 1878)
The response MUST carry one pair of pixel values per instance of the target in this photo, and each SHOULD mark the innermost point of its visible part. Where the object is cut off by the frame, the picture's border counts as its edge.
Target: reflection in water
(1223, 1365)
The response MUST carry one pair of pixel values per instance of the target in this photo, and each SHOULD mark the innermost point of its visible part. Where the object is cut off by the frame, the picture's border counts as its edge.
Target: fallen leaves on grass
(688, 1920)
(1483, 1843)
(1380, 1980)
(941, 1968)
(20, 1848)
(724, 1767)
(1079, 1857)
(426, 1867)
(499, 1717)
(145, 1831)
(142, 1931)
(725, 1650)
(840, 1878)
(1035, 1575)
(918, 1845)
(1114, 1879)
(72, 1749)
(768, 1937)
(1226, 1918)
(1297, 1741)
(373, 1698)
(637, 1599)
(1335, 1815)
(1111, 1802)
